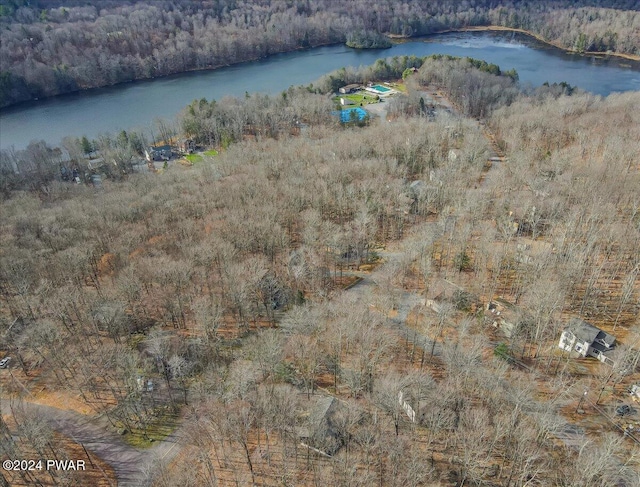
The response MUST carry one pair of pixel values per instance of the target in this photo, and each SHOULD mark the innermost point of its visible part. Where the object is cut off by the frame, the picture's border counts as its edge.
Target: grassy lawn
(211, 153)
(358, 98)
(193, 158)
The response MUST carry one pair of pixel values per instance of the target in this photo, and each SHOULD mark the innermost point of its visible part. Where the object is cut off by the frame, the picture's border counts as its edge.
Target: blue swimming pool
(380, 88)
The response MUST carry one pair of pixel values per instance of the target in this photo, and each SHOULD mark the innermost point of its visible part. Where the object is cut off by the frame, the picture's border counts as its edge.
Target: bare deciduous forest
(315, 304)
(50, 47)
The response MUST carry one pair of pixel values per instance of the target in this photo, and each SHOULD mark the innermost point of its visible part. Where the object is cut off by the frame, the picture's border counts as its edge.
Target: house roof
(160, 147)
(319, 429)
(592, 334)
(322, 410)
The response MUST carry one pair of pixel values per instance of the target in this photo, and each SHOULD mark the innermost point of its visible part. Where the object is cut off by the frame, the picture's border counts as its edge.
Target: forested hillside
(50, 47)
(316, 304)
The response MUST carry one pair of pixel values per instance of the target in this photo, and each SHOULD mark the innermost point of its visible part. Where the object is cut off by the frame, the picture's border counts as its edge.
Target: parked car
(4, 362)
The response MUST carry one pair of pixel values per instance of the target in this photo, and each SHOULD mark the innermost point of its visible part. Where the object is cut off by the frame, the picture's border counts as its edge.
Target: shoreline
(393, 37)
(500, 28)
(151, 78)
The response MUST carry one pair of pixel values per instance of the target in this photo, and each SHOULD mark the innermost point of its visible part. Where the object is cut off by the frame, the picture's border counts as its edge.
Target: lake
(137, 104)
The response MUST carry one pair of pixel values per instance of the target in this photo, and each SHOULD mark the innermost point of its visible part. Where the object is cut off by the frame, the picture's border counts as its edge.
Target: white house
(587, 340)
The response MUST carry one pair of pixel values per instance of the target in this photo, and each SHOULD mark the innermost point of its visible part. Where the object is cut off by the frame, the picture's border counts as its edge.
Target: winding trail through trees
(404, 301)
(133, 467)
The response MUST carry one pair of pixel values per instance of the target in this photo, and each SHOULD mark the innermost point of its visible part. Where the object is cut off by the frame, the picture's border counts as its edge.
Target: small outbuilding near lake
(345, 90)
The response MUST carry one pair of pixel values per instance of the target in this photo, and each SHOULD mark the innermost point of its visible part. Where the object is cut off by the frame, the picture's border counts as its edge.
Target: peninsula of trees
(368, 40)
(48, 47)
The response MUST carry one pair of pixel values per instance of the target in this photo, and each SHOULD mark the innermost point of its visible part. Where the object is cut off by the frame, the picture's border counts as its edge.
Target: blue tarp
(345, 115)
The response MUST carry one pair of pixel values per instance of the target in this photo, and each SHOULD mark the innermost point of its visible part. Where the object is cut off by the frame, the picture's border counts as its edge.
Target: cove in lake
(137, 104)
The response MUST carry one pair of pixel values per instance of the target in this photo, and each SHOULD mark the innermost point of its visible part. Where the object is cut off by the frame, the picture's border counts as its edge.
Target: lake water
(137, 104)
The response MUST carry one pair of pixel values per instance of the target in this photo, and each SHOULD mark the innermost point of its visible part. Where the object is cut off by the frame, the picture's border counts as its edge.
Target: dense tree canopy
(51, 47)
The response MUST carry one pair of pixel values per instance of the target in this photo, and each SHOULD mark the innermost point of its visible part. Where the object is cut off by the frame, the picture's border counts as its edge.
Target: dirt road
(405, 301)
(133, 467)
